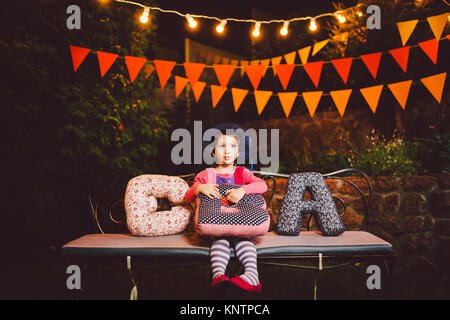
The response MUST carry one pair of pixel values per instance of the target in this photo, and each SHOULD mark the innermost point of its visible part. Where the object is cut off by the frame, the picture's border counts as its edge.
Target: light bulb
(256, 32)
(145, 14)
(359, 13)
(340, 17)
(192, 22)
(313, 25)
(221, 26)
(284, 29)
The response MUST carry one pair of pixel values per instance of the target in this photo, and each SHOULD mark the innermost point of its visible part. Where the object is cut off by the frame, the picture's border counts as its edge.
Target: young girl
(226, 151)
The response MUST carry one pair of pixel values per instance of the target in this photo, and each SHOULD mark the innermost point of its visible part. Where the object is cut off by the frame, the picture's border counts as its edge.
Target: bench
(272, 249)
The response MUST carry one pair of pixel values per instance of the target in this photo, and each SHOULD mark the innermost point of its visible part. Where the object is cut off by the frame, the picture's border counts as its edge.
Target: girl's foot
(219, 280)
(241, 283)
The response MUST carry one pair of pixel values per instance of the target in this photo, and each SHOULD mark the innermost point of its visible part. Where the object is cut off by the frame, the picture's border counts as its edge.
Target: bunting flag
(284, 72)
(223, 73)
(290, 57)
(148, 70)
(217, 59)
(216, 94)
(134, 65)
(243, 64)
(405, 29)
(78, 55)
(312, 99)
(197, 88)
(401, 56)
(193, 71)
(287, 101)
(105, 61)
(372, 61)
(437, 24)
(319, 45)
(238, 97)
(372, 96)
(275, 61)
(164, 71)
(261, 98)
(254, 73)
(304, 54)
(340, 98)
(400, 90)
(180, 83)
(342, 66)
(314, 69)
(435, 85)
(430, 48)
(265, 63)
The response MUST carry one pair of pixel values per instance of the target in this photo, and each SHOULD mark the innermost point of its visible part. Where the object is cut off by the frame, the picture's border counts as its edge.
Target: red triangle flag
(193, 71)
(254, 73)
(223, 73)
(430, 48)
(164, 70)
(134, 65)
(105, 61)
(401, 56)
(343, 67)
(314, 69)
(284, 72)
(78, 55)
(372, 61)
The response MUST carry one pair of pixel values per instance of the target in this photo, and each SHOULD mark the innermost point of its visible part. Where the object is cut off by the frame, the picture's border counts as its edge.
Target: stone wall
(412, 213)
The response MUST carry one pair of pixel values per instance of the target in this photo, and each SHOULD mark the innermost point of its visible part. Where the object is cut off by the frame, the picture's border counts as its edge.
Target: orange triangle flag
(287, 101)
(340, 98)
(304, 53)
(435, 84)
(284, 72)
(223, 73)
(243, 64)
(314, 69)
(372, 96)
(372, 61)
(401, 56)
(400, 90)
(312, 99)
(180, 83)
(134, 65)
(197, 88)
(193, 71)
(105, 61)
(265, 62)
(254, 73)
(217, 93)
(261, 98)
(405, 29)
(318, 46)
(164, 70)
(290, 57)
(430, 47)
(437, 24)
(276, 61)
(238, 97)
(149, 70)
(78, 55)
(343, 67)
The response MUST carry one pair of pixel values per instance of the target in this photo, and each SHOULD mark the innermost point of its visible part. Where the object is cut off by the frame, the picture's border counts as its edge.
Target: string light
(145, 15)
(221, 26)
(256, 32)
(340, 17)
(359, 13)
(313, 25)
(284, 29)
(192, 22)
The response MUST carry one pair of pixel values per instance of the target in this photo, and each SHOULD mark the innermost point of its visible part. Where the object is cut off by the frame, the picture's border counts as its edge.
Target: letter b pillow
(217, 217)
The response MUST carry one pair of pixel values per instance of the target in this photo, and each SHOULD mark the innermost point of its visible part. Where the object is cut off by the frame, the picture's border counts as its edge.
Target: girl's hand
(209, 190)
(234, 195)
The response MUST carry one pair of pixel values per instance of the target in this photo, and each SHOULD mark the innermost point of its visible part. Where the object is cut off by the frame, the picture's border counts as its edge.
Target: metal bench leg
(316, 276)
(134, 290)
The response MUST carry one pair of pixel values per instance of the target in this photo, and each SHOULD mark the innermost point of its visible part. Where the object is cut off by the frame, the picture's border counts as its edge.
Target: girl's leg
(246, 253)
(220, 255)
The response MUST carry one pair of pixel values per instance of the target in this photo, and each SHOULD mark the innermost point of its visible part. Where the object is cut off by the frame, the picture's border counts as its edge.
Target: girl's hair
(222, 133)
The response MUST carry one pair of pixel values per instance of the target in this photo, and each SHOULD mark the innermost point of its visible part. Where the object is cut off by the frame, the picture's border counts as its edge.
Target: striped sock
(246, 253)
(220, 255)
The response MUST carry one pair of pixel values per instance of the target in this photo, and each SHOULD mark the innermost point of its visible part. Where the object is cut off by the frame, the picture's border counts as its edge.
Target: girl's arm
(201, 178)
(253, 184)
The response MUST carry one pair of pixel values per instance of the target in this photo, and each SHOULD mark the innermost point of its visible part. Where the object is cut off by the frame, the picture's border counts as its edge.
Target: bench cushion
(191, 244)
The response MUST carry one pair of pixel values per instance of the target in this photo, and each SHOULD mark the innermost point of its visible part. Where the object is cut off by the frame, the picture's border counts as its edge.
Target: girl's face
(227, 149)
